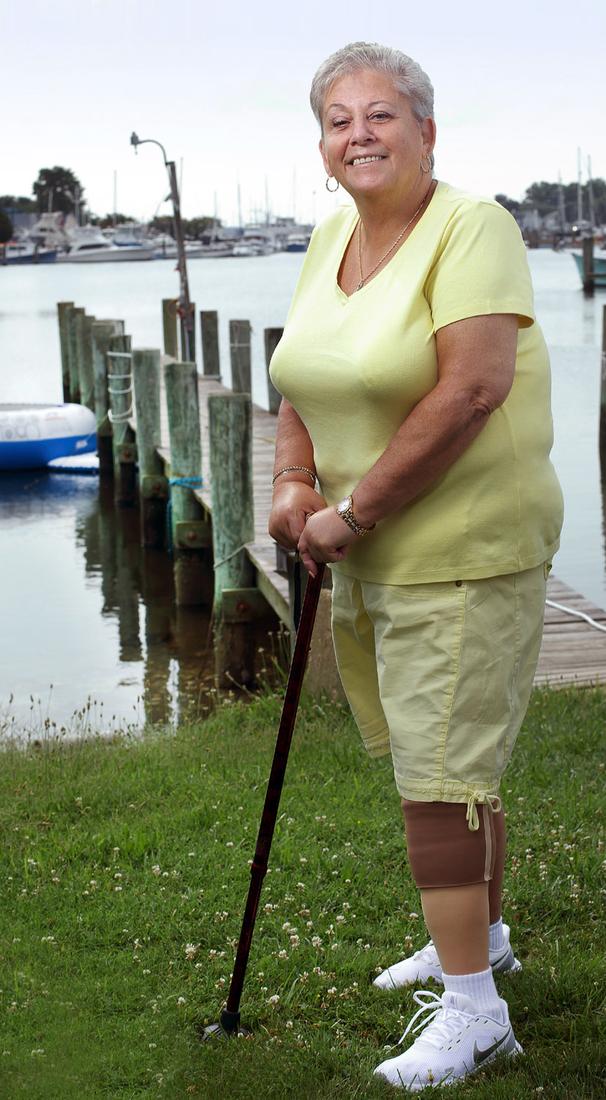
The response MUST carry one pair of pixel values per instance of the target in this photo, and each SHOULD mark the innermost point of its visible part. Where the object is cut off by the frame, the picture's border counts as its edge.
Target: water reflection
(91, 614)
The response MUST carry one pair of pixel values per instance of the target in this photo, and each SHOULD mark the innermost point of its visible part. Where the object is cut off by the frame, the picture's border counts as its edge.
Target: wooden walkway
(573, 652)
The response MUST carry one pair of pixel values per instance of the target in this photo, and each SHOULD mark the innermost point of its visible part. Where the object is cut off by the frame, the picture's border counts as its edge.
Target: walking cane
(229, 1024)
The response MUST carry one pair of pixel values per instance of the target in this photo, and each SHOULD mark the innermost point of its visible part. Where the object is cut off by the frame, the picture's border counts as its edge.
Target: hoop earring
(331, 189)
(428, 161)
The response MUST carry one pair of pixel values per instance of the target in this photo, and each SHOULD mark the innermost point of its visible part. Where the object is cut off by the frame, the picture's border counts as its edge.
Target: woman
(415, 386)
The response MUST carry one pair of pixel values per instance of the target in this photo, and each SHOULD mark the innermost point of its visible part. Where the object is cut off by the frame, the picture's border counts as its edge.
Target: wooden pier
(257, 576)
(573, 652)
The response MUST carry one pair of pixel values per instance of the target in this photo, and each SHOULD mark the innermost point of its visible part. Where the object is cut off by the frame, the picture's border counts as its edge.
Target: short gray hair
(407, 75)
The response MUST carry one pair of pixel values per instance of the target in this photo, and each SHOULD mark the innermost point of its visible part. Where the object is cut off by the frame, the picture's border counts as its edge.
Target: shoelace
(437, 1029)
(427, 953)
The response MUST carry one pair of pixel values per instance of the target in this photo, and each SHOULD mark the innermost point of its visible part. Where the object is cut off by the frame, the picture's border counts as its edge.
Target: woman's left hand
(325, 537)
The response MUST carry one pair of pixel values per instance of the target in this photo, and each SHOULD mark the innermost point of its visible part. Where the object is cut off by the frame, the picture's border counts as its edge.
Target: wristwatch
(344, 509)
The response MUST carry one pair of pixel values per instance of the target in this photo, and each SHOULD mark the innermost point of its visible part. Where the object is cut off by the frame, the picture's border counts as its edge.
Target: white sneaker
(425, 964)
(456, 1041)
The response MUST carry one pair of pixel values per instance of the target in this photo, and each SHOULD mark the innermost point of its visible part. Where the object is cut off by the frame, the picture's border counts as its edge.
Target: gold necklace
(365, 278)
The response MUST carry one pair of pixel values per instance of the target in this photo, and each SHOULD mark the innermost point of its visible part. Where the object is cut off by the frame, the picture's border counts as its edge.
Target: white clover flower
(181, 1000)
(191, 950)
(273, 1000)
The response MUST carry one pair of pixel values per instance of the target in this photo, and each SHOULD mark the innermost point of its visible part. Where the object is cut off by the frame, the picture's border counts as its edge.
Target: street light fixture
(184, 309)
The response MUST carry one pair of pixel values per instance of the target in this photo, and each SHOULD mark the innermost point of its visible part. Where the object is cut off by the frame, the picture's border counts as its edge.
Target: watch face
(343, 505)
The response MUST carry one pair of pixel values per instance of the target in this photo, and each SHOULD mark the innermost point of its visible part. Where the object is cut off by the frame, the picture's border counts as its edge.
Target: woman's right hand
(293, 502)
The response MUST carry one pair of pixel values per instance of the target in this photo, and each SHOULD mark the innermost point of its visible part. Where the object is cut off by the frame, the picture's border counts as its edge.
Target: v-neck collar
(355, 293)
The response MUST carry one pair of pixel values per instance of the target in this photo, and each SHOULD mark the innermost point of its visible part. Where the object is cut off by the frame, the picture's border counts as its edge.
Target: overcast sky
(224, 87)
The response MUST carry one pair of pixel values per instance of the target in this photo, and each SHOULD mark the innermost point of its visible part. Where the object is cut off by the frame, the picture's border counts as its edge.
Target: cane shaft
(274, 787)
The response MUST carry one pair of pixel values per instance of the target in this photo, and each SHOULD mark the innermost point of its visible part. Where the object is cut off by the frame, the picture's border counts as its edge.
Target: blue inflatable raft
(31, 436)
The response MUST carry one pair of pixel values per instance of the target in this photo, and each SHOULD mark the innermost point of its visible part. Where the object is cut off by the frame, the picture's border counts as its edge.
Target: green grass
(123, 874)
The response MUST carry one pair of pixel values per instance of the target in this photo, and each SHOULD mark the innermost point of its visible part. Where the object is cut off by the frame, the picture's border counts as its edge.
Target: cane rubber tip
(217, 1031)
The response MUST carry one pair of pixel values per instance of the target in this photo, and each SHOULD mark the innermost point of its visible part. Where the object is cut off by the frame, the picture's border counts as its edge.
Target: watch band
(345, 510)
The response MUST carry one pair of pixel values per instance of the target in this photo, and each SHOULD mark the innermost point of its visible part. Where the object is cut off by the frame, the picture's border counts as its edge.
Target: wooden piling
(190, 531)
(119, 381)
(603, 391)
(75, 350)
(230, 441)
(63, 309)
(169, 327)
(153, 486)
(182, 339)
(239, 351)
(87, 379)
(83, 381)
(272, 339)
(102, 333)
(588, 272)
(209, 332)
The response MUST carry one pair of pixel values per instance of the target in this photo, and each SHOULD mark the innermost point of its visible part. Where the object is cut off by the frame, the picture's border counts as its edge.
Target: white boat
(50, 230)
(165, 248)
(22, 251)
(296, 242)
(88, 245)
(599, 265)
(32, 435)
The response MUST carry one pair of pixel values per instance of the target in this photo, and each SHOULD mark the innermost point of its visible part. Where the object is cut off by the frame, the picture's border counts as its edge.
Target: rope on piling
(183, 483)
(122, 417)
(228, 557)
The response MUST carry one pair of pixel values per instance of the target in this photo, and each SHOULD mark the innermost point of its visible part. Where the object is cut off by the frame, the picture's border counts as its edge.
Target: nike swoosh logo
(480, 1056)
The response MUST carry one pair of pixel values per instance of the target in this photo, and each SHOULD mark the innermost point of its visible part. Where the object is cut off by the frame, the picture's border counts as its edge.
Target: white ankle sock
(481, 989)
(496, 938)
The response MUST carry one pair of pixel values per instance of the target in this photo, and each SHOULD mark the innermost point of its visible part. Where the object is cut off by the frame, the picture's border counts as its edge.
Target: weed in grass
(125, 865)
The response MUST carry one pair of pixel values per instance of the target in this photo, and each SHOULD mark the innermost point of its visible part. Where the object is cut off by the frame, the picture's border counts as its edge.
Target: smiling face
(371, 141)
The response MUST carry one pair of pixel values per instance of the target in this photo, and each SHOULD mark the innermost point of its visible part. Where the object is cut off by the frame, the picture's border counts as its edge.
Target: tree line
(59, 189)
(545, 198)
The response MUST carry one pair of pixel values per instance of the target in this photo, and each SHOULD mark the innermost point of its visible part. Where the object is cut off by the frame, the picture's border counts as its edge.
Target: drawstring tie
(492, 800)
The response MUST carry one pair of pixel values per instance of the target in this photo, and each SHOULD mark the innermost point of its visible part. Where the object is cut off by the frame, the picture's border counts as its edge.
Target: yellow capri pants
(440, 675)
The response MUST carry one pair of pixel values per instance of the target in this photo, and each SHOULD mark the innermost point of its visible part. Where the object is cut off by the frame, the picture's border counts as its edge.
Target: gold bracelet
(287, 469)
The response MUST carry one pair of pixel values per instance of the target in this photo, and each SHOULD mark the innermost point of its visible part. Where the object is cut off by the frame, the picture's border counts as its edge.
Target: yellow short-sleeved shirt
(354, 368)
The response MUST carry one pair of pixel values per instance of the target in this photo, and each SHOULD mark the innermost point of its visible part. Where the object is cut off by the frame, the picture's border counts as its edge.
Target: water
(83, 608)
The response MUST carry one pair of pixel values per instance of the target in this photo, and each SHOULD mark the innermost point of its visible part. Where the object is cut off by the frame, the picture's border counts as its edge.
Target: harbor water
(91, 638)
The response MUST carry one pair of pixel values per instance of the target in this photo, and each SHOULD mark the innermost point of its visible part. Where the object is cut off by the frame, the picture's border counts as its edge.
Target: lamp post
(185, 307)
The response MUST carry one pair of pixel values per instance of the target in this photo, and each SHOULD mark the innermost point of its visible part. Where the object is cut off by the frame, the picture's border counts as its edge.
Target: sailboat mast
(590, 194)
(561, 204)
(579, 189)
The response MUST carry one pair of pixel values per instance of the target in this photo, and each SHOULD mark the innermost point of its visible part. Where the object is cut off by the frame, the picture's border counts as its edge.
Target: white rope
(122, 391)
(577, 614)
(120, 418)
(229, 557)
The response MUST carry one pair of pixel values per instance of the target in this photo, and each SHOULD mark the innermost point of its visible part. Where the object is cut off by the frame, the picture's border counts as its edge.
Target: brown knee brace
(443, 851)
